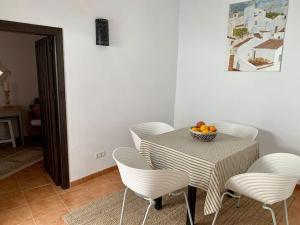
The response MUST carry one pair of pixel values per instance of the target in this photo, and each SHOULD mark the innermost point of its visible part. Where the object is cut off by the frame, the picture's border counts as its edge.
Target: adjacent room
(149, 112)
(21, 141)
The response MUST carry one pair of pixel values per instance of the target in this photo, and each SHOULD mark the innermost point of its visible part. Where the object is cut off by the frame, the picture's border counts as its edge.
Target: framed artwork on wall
(255, 37)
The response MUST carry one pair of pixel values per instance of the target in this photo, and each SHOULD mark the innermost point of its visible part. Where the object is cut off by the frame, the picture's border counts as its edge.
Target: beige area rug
(106, 211)
(13, 160)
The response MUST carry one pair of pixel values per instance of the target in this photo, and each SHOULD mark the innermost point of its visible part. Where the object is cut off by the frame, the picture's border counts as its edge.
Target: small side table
(11, 133)
(13, 112)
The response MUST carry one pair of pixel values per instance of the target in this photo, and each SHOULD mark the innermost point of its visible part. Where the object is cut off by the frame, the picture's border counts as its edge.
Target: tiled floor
(14, 159)
(30, 197)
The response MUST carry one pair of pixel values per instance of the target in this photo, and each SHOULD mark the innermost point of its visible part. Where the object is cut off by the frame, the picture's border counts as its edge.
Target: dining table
(208, 164)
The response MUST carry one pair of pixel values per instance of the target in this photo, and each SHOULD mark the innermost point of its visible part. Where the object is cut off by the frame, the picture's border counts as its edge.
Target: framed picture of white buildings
(255, 36)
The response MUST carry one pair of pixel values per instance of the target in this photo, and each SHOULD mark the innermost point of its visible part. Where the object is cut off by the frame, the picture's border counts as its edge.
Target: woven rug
(13, 160)
(106, 211)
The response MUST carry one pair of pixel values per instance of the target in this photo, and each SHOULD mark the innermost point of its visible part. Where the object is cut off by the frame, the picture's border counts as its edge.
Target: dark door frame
(60, 102)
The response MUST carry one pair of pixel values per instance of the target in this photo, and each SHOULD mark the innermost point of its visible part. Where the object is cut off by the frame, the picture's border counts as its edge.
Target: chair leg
(217, 213)
(11, 133)
(286, 212)
(188, 208)
(152, 203)
(215, 217)
(238, 204)
(272, 213)
(123, 206)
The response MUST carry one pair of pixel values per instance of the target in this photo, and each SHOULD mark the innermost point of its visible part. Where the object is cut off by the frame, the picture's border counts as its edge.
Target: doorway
(50, 71)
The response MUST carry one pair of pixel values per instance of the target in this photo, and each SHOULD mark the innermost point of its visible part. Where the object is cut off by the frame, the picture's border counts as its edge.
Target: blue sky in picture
(239, 7)
(271, 5)
(268, 5)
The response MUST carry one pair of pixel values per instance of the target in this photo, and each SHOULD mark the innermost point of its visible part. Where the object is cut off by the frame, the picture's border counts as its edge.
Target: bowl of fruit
(203, 131)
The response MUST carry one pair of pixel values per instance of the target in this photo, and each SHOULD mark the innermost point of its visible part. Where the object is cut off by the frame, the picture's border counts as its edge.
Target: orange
(203, 128)
(194, 129)
(205, 131)
(212, 128)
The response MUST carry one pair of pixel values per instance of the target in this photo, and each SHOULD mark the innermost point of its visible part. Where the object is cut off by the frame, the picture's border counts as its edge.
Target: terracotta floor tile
(34, 182)
(15, 216)
(112, 173)
(77, 198)
(30, 171)
(98, 180)
(8, 185)
(8, 181)
(27, 222)
(39, 193)
(12, 189)
(33, 173)
(113, 176)
(51, 218)
(43, 206)
(11, 200)
(57, 189)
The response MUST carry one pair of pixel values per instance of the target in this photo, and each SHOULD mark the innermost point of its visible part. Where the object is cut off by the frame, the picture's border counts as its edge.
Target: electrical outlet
(99, 155)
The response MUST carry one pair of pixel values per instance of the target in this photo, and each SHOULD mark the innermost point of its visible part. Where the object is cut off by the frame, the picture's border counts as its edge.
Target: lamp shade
(3, 72)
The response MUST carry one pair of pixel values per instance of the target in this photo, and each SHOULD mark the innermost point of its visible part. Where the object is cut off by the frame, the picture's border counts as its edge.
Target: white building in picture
(256, 32)
(270, 50)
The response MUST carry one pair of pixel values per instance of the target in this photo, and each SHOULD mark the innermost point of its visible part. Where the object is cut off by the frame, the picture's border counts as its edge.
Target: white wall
(17, 54)
(109, 88)
(267, 100)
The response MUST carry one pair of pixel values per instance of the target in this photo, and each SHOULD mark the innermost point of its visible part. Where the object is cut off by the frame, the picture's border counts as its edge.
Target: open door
(51, 76)
(45, 59)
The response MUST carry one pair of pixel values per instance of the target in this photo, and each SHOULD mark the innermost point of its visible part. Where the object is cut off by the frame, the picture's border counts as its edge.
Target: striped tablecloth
(208, 164)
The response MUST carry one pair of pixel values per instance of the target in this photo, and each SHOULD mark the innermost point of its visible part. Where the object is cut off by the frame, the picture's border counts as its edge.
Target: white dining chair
(151, 128)
(237, 130)
(271, 179)
(145, 182)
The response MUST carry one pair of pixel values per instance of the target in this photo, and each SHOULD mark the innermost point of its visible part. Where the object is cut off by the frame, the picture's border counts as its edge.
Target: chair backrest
(129, 158)
(140, 178)
(237, 130)
(151, 128)
(285, 164)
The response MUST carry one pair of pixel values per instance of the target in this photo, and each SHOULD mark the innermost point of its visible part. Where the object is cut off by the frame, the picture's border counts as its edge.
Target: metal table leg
(158, 203)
